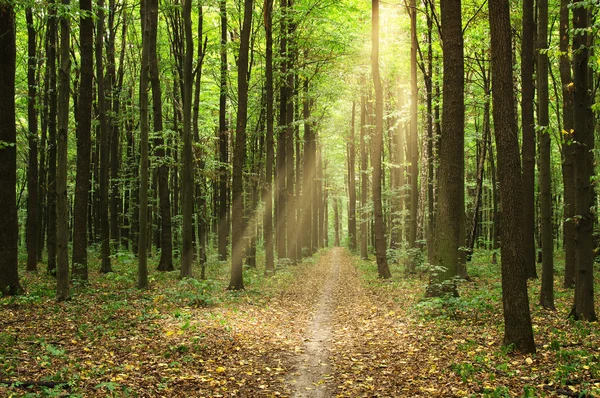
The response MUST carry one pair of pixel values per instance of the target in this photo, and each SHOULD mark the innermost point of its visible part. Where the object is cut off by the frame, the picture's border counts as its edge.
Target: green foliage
(193, 292)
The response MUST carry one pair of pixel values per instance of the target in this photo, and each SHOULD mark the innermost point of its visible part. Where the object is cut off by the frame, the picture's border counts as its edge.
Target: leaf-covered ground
(192, 338)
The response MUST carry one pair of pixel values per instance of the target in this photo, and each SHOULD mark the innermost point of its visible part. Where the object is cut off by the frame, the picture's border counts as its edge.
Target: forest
(301, 198)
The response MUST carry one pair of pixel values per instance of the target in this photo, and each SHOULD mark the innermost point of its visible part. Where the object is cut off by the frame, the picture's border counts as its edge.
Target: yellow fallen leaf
(220, 369)
(529, 361)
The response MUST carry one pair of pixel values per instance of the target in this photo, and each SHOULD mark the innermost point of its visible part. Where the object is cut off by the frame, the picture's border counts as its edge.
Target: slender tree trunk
(280, 170)
(547, 289)
(62, 217)
(450, 211)
(583, 143)
(336, 221)
(52, 109)
(9, 225)
(568, 171)
(84, 131)
(380, 243)
(142, 282)
(268, 193)
(187, 197)
(223, 227)
(308, 172)
(352, 182)
(32, 165)
(363, 177)
(237, 281)
(290, 199)
(104, 149)
(517, 319)
(166, 239)
(414, 151)
(528, 145)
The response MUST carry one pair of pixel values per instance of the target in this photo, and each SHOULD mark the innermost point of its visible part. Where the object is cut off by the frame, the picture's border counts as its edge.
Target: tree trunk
(583, 143)
(62, 216)
(9, 225)
(104, 150)
(280, 170)
(142, 282)
(268, 192)
(351, 182)
(450, 211)
(413, 143)
(187, 197)
(363, 177)
(32, 166)
(547, 289)
(568, 171)
(52, 109)
(528, 145)
(223, 227)
(517, 319)
(377, 147)
(308, 173)
(84, 131)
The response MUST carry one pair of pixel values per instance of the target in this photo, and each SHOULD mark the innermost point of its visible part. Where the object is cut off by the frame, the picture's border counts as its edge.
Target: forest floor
(324, 328)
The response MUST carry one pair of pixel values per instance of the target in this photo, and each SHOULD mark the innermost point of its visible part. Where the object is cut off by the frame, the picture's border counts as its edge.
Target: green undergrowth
(567, 360)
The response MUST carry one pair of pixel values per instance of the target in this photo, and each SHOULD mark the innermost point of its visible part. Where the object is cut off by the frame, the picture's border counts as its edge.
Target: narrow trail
(314, 369)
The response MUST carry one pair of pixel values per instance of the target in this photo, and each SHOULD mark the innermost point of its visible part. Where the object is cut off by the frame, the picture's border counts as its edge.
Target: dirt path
(314, 369)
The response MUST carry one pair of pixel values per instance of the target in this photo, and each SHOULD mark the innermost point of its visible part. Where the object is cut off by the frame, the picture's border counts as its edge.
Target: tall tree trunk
(308, 172)
(363, 176)
(568, 171)
(517, 319)
(583, 143)
(336, 221)
(280, 170)
(187, 197)
(351, 148)
(62, 216)
(290, 199)
(239, 156)
(84, 132)
(142, 282)
(32, 166)
(413, 143)
(166, 240)
(528, 142)
(223, 226)
(380, 243)
(450, 210)
(52, 109)
(9, 225)
(547, 289)
(104, 149)
(268, 193)
(430, 138)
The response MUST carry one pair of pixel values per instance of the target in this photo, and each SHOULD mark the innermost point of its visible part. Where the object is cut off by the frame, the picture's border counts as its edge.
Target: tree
(547, 289)
(32, 137)
(517, 319)
(223, 226)
(187, 197)
(528, 146)
(351, 150)
(9, 227)
(583, 145)
(363, 175)
(104, 149)
(84, 128)
(380, 244)
(268, 193)
(62, 216)
(450, 207)
(142, 281)
(239, 156)
(52, 111)
(413, 140)
(568, 171)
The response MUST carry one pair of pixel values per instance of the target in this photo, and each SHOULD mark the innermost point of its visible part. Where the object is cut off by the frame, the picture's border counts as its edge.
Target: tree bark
(450, 211)
(9, 225)
(32, 165)
(380, 243)
(52, 109)
(413, 143)
(363, 176)
(223, 226)
(545, 175)
(583, 142)
(268, 192)
(568, 151)
(352, 182)
(62, 216)
(517, 319)
(528, 145)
